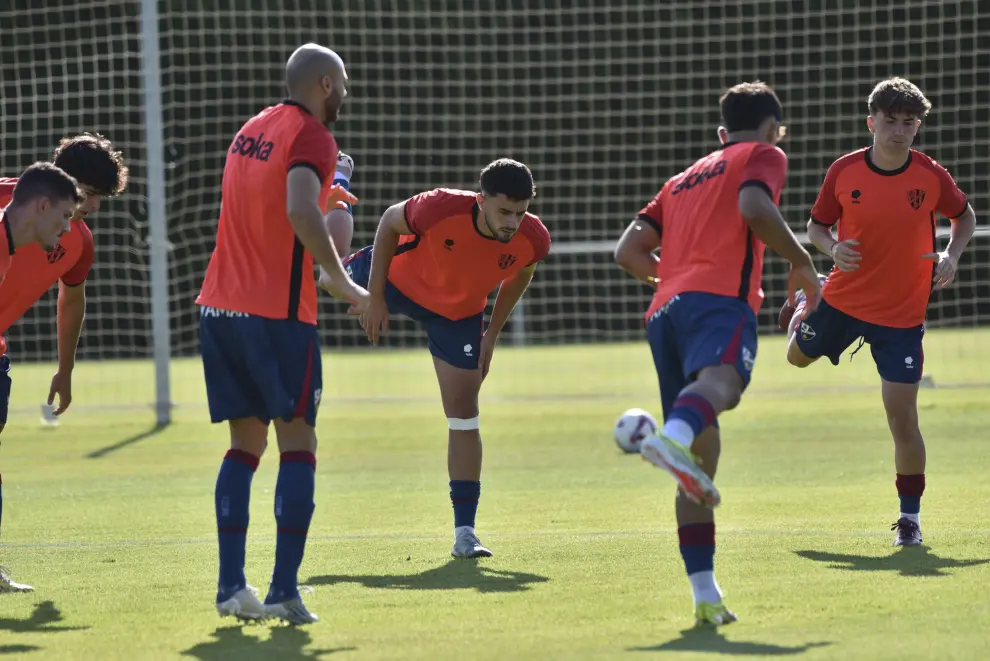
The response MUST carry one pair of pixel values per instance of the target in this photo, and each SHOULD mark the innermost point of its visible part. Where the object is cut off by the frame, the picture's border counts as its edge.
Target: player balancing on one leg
(884, 199)
(258, 333)
(435, 259)
(712, 222)
(99, 171)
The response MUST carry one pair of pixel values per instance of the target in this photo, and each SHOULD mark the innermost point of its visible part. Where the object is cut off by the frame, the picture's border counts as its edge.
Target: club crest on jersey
(916, 197)
(56, 253)
(505, 260)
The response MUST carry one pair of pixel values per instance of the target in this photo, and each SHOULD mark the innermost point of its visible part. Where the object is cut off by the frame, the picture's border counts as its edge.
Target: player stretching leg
(99, 171)
(886, 197)
(712, 221)
(469, 243)
(258, 334)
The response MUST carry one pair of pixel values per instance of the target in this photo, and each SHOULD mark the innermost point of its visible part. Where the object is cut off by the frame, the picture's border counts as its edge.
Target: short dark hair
(92, 160)
(508, 177)
(745, 106)
(898, 96)
(46, 180)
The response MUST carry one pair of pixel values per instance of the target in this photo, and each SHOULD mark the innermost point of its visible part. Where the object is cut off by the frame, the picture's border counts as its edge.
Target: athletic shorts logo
(317, 396)
(748, 359)
(916, 197)
(807, 332)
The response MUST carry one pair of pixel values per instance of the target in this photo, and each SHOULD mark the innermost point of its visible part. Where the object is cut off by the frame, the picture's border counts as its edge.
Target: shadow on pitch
(455, 575)
(710, 639)
(285, 643)
(130, 440)
(42, 620)
(907, 561)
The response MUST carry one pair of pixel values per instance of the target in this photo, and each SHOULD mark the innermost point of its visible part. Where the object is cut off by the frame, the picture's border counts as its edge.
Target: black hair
(747, 105)
(92, 160)
(46, 180)
(898, 96)
(508, 177)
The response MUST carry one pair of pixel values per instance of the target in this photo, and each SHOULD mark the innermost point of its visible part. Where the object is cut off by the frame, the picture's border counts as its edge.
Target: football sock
(1, 501)
(294, 507)
(697, 545)
(232, 499)
(464, 495)
(910, 489)
(690, 415)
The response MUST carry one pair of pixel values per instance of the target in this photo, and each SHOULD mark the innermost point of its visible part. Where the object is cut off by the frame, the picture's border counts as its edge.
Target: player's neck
(482, 226)
(314, 109)
(885, 160)
(21, 233)
(743, 136)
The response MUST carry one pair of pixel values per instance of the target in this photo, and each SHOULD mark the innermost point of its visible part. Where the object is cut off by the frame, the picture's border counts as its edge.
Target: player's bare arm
(392, 225)
(845, 254)
(636, 251)
(960, 233)
(509, 293)
(71, 312)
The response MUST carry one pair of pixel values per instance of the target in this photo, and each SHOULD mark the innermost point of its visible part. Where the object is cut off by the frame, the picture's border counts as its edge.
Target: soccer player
(99, 172)
(258, 333)
(711, 223)
(435, 259)
(884, 200)
(42, 200)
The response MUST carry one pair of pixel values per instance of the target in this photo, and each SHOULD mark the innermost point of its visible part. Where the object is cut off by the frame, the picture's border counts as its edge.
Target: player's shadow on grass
(709, 639)
(455, 575)
(130, 440)
(41, 620)
(284, 643)
(907, 561)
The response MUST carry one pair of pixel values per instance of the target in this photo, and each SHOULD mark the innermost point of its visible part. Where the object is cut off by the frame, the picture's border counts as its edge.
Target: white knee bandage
(463, 424)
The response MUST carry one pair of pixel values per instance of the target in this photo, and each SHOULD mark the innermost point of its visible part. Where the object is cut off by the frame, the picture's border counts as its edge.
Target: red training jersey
(6, 245)
(892, 215)
(448, 266)
(33, 270)
(706, 244)
(259, 266)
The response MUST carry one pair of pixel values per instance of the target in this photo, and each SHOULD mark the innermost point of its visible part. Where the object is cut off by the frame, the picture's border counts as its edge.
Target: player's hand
(804, 277)
(846, 255)
(945, 269)
(488, 341)
(61, 386)
(374, 318)
(340, 197)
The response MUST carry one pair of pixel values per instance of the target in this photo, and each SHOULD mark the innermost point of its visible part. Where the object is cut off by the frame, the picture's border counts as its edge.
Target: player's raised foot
(243, 604)
(7, 584)
(467, 545)
(671, 456)
(908, 532)
(293, 611)
(787, 310)
(707, 614)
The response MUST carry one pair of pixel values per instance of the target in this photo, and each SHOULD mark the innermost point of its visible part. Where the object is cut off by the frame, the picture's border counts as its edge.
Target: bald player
(711, 224)
(436, 258)
(258, 334)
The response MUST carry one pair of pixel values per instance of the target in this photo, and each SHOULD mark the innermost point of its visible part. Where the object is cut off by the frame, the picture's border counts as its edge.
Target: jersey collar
(6, 229)
(886, 173)
(290, 102)
(474, 222)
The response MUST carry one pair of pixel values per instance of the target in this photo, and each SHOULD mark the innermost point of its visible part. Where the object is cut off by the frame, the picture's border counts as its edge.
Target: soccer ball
(632, 427)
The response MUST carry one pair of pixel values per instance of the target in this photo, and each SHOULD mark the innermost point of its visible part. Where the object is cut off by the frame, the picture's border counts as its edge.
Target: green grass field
(114, 525)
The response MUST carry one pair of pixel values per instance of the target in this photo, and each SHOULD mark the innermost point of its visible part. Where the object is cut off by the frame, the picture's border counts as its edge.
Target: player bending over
(884, 199)
(99, 171)
(711, 223)
(258, 334)
(436, 258)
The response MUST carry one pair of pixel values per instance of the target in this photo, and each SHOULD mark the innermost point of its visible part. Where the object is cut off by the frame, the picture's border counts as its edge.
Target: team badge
(916, 197)
(807, 332)
(505, 260)
(56, 253)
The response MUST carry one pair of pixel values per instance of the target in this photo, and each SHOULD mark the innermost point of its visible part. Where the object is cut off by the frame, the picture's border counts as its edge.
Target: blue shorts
(695, 330)
(897, 352)
(4, 388)
(454, 342)
(260, 368)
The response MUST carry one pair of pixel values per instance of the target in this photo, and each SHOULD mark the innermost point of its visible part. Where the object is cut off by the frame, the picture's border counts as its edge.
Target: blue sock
(344, 183)
(694, 410)
(232, 499)
(697, 541)
(293, 511)
(464, 495)
(910, 488)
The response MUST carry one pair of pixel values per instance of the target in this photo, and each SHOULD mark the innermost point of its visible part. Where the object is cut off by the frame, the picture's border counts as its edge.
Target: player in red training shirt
(436, 258)
(258, 334)
(41, 202)
(99, 171)
(711, 224)
(884, 200)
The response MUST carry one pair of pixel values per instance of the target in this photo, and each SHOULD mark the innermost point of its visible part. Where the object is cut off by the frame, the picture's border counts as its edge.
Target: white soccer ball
(632, 427)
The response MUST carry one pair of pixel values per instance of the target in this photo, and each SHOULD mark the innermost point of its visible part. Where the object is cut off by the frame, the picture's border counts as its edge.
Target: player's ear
(327, 85)
(42, 205)
(723, 135)
(869, 122)
(481, 200)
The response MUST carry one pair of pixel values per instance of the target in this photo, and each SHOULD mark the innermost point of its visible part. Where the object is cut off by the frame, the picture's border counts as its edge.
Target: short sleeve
(314, 148)
(539, 237)
(652, 213)
(430, 207)
(766, 169)
(952, 202)
(79, 271)
(827, 209)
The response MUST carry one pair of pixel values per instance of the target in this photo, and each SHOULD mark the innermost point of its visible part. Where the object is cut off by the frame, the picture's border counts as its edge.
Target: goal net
(602, 100)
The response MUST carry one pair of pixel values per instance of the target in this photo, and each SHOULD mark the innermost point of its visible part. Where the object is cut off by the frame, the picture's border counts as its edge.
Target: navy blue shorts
(695, 330)
(897, 352)
(454, 342)
(4, 388)
(260, 368)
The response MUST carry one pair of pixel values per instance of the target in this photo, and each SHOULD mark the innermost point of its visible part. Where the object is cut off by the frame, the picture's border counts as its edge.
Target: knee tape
(463, 424)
